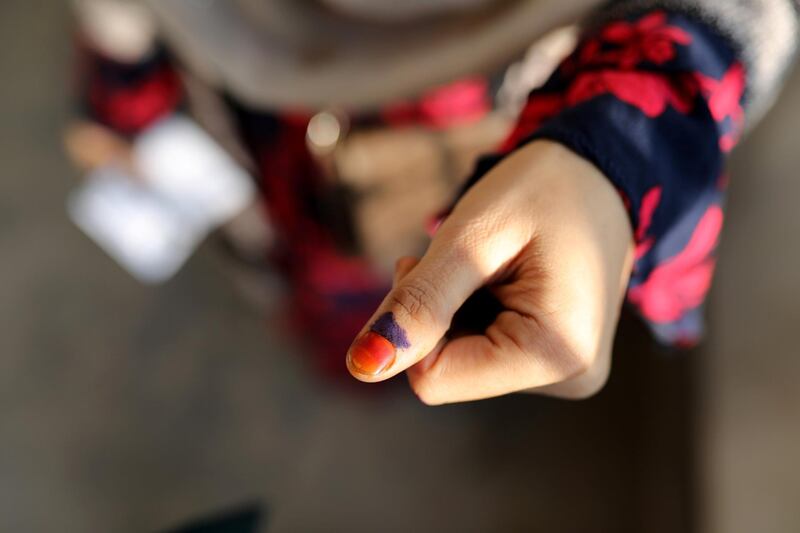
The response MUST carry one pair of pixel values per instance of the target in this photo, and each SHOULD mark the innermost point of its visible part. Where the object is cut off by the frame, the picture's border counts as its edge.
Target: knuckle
(464, 240)
(593, 386)
(425, 391)
(588, 372)
(468, 240)
(573, 364)
(587, 386)
(586, 368)
(415, 298)
(567, 361)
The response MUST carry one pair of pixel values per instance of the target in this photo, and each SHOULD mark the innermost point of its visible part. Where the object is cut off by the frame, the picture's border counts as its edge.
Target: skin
(544, 231)
(548, 235)
(90, 145)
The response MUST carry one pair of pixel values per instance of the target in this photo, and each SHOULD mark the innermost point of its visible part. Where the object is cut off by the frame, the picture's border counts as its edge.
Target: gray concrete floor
(749, 417)
(131, 409)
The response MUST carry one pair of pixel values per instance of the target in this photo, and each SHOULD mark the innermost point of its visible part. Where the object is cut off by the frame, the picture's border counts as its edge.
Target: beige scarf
(307, 54)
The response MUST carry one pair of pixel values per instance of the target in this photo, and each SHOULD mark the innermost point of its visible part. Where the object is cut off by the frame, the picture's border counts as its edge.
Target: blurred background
(130, 407)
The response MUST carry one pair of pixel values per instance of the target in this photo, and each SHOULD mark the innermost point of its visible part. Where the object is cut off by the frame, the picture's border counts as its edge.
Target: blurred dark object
(247, 519)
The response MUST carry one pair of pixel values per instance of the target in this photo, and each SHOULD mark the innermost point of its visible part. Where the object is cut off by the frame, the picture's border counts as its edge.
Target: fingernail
(371, 354)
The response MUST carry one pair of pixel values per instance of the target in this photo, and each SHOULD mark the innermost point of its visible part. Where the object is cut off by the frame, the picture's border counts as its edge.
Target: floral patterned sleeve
(127, 97)
(655, 101)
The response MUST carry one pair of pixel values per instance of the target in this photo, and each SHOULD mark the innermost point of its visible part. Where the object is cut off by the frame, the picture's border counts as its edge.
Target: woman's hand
(90, 145)
(548, 236)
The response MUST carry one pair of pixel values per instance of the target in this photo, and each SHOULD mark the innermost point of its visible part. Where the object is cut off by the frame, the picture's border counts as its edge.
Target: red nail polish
(371, 354)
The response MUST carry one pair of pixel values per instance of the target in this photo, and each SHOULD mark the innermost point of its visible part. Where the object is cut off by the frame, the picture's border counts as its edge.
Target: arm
(655, 100)
(124, 81)
(612, 176)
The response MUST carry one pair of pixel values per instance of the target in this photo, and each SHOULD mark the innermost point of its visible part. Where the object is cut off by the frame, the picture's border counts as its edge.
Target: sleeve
(125, 79)
(655, 95)
(127, 97)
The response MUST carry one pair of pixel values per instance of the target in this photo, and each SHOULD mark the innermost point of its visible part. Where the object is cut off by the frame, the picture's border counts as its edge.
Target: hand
(546, 235)
(90, 145)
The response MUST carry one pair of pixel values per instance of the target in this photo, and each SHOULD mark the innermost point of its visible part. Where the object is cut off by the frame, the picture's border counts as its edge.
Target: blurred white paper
(152, 224)
(182, 162)
(142, 231)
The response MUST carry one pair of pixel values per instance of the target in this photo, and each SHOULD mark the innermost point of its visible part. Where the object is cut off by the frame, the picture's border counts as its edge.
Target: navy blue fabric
(654, 101)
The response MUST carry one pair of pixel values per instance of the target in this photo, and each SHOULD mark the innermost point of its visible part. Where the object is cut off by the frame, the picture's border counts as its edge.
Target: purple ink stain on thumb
(387, 327)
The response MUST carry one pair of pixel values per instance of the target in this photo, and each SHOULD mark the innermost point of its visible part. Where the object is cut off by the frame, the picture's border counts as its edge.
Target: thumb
(414, 317)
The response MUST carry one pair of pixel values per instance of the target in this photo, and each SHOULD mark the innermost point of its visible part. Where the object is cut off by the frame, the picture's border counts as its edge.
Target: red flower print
(648, 39)
(681, 283)
(725, 100)
(625, 200)
(725, 95)
(461, 102)
(539, 108)
(590, 51)
(132, 109)
(648, 91)
(650, 202)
